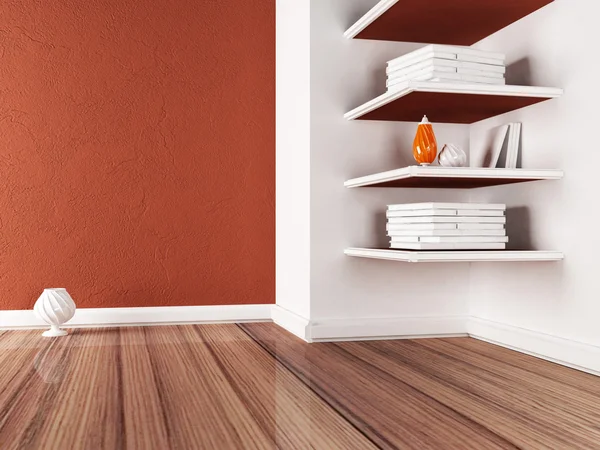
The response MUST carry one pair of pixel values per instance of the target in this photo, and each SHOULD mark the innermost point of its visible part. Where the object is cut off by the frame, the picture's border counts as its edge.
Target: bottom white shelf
(455, 255)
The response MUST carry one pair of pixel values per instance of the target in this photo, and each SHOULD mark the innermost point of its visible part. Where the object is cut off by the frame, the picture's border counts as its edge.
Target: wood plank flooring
(254, 386)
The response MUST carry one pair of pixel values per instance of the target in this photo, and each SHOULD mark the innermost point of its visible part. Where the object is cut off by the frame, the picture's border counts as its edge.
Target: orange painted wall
(137, 151)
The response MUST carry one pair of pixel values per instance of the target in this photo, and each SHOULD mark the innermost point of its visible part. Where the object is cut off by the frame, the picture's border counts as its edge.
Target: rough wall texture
(137, 151)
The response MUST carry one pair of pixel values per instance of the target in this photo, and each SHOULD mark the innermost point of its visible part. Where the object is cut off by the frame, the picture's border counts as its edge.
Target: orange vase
(425, 145)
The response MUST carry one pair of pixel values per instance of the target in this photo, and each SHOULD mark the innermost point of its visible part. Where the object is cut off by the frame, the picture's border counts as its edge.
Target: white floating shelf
(463, 22)
(450, 102)
(451, 177)
(455, 256)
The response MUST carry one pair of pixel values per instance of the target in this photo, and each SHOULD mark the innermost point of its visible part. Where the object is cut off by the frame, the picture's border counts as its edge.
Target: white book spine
(483, 67)
(480, 226)
(440, 205)
(421, 226)
(422, 212)
(449, 63)
(393, 66)
(457, 78)
(421, 75)
(480, 60)
(420, 55)
(448, 246)
(448, 219)
(454, 239)
(440, 64)
(401, 76)
(455, 232)
(480, 212)
(451, 52)
(462, 50)
(514, 138)
(405, 239)
(479, 73)
(442, 77)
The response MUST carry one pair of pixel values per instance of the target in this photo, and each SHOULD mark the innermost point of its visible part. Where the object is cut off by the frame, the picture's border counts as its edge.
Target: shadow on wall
(518, 228)
(519, 73)
(380, 221)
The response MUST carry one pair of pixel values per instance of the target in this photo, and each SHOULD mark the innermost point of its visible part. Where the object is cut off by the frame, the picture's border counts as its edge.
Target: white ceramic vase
(55, 307)
(452, 156)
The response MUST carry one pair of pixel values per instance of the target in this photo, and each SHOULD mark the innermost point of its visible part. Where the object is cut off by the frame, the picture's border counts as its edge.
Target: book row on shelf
(447, 226)
(448, 64)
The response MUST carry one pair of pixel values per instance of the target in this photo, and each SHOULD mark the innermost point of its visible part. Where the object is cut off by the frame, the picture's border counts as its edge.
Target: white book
(448, 246)
(443, 65)
(422, 212)
(432, 75)
(480, 226)
(443, 226)
(419, 70)
(447, 57)
(498, 144)
(509, 147)
(514, 139)
(452, 64)
(443, 78)
(404, 239)
(454, 232)
(456, 50)
(420, 75)
(447, 219)
(481, 60)
(472, 239)
(480, 73)
(464, 80)
(487, 68)
(441, 205)
(480, 212)
(421, 226)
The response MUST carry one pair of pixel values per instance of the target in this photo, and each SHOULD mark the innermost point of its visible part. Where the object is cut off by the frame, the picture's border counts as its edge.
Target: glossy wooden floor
(255, 386)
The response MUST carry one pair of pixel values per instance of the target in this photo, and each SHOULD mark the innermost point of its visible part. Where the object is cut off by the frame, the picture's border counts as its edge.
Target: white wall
(345, 73)
(557, 46)
(293, 156)
(321, 75)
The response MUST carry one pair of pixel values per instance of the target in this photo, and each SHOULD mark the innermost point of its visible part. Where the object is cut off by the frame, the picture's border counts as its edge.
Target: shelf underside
(456, 22)
(450, 103)
(451, 178)
(455, 256)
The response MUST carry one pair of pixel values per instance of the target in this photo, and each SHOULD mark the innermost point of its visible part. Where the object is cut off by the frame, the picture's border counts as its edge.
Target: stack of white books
(447, 226)
(448, 64)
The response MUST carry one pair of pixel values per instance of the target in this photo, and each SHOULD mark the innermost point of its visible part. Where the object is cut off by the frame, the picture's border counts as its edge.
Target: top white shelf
(456, 22)
(450, 102)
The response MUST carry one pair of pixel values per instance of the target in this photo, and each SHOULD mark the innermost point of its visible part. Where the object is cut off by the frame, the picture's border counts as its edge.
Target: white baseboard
(159, 315)
(569, 353)
(291, 322)
(387, 328)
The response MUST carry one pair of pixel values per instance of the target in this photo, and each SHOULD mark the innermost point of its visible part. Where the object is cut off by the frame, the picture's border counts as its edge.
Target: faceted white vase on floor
(55, 307)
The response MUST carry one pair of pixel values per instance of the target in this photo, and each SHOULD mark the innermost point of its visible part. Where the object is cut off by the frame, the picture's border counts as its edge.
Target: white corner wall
(293, 157)
(345, 73)
(556, 46)
(547, 309)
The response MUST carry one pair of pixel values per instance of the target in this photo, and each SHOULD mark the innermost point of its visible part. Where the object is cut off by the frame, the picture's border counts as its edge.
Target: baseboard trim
(577, 355)
(387, 328)
(158, 315)
(295, 324)
(581, 356)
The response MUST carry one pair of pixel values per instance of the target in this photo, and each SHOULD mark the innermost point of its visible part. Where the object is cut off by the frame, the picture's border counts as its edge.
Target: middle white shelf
(450, 102)
(451, 177)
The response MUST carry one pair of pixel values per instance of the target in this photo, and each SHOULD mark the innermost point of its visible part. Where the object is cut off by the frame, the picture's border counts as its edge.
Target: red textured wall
(137, 151)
